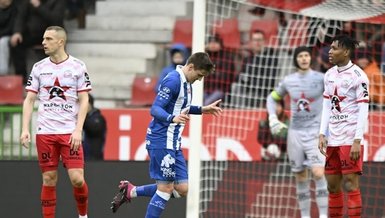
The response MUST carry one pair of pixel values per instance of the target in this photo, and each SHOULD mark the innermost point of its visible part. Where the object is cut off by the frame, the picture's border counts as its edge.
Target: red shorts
(52, 147)
(338, 161)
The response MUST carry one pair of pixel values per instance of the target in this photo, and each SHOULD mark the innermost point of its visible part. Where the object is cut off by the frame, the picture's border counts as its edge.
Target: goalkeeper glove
(275, 125)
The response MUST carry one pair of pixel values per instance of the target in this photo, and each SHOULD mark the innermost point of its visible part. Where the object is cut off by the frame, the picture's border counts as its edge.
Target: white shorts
(302, 149)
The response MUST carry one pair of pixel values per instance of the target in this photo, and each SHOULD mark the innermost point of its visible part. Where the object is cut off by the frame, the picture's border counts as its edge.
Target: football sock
(322, 196)
(157, 204)
(303, 196)
(149, 191)
(144, 190)
(48, 201)
(336, 205)
(81, 197)
(354, 204)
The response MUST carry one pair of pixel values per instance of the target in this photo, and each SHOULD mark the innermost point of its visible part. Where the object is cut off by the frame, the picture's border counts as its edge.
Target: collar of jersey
(349, 65)
(180, 71)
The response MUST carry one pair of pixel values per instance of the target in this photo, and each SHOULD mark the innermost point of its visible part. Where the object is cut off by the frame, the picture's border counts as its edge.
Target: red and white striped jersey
(345, 87)
(57, 86)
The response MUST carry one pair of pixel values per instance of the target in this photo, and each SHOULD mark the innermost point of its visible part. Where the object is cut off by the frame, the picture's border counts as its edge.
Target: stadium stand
(11, 90)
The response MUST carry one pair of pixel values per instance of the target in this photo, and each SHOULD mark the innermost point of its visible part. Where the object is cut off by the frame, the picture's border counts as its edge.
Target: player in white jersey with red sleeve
(305, 88)
(61, 84)
(344, 115)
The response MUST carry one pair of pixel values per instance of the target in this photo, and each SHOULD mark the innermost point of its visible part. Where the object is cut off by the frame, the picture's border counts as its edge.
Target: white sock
(85, 216)
(322, 196)
(303, 197)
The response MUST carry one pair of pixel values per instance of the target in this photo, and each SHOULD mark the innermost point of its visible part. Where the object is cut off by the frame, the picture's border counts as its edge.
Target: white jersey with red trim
(345, 87)
(57, 86)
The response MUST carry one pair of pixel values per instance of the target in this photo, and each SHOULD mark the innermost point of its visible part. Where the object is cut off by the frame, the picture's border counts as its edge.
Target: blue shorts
(167, 165)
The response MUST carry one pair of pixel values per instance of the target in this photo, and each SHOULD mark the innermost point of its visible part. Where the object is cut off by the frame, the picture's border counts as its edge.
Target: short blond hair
(60, 30)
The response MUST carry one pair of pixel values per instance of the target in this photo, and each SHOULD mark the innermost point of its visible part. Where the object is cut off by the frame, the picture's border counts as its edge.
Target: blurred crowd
(22, 24)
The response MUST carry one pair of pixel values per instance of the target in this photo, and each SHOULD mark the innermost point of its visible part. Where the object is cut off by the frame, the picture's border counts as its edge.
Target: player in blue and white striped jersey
(170, 112)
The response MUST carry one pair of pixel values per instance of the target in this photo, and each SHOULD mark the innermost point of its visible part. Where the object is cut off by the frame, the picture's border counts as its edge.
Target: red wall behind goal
(127, 129)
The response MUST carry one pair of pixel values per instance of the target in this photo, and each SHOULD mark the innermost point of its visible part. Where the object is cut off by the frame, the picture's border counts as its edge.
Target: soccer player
(62, 83)
(345, 111)
(305, 88)
(170, 112)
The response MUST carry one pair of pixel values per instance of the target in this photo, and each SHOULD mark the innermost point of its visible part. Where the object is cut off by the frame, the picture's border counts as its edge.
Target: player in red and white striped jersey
(344, 115)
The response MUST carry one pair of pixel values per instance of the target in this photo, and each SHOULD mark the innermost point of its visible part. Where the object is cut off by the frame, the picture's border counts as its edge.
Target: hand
(181, 118)
(25, 138)
(213, 108)
(275, 125)
(76, 140)
(322, 145)
(16, 39)
(355, 150)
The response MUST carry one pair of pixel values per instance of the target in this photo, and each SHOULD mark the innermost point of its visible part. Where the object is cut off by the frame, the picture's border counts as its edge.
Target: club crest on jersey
(57, 90)
(67, 74)
(335, 100)
(303, 103)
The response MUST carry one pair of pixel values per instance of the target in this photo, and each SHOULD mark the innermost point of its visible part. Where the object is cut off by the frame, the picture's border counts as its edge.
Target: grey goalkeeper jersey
(306, 99)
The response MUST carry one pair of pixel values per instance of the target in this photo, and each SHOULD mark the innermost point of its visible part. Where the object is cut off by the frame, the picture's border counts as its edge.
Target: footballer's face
(198, 75)
(304, 60)
(52, 42)
(194, 75)
(338, 55)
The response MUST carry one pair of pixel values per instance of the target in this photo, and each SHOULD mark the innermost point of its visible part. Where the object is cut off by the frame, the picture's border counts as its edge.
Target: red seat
(268, 27)
(11, 89)
(182, 32)
(143, 90)
(228, 30)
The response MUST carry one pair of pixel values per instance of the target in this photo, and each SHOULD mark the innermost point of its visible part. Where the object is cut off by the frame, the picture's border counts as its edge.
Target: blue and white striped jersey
(174, 96)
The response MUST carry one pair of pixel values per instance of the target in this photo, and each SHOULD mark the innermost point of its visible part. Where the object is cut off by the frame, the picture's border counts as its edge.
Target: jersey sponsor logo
(46, 74)
(74, 155)
(335, 100)
(46, 156)
(57, 90)
(164, 93)
(165, 166)
(340, 117)
(57, 107)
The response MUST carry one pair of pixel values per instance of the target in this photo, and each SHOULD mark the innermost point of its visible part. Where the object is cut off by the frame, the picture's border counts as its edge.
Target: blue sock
(157, 204)
(146, 190)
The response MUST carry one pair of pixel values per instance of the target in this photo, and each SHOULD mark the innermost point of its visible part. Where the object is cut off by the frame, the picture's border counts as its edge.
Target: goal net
(242, 177)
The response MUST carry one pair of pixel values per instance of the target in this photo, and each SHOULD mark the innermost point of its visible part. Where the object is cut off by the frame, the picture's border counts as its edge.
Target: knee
(318, 174)
(49, 179)
(350, 185)
(182, 191)
(77, 179)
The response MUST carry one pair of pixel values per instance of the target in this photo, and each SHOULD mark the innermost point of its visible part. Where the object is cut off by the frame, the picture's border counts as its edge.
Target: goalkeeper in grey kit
(305, 88)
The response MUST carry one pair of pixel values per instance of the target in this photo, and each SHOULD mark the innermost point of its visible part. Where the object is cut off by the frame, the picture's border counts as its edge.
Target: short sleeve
(33, 81)
(281, 88)
(84, 82)
(362, 88)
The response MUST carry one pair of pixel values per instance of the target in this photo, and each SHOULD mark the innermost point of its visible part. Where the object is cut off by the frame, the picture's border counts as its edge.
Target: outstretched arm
(213, 108)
